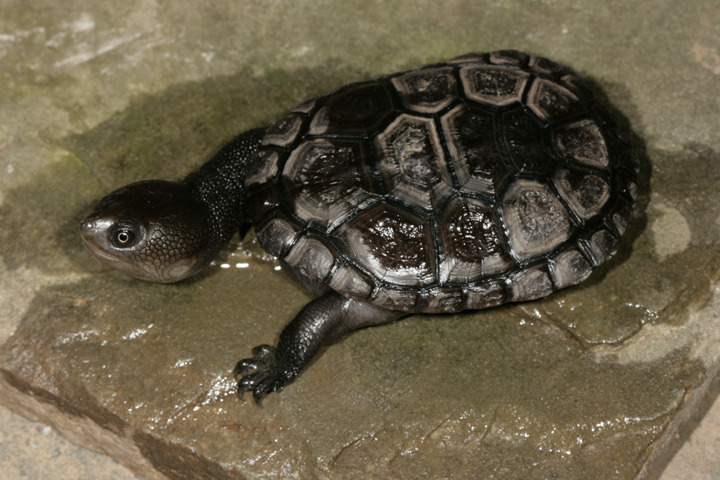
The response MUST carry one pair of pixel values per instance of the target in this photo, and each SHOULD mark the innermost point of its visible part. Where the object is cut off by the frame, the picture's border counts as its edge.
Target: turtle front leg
(320, 323)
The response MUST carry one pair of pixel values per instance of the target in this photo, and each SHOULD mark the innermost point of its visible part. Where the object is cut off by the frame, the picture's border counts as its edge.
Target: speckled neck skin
(219, 186)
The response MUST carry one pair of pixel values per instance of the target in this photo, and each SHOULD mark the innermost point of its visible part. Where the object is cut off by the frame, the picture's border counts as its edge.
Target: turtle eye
(123, 237)
(124, 234)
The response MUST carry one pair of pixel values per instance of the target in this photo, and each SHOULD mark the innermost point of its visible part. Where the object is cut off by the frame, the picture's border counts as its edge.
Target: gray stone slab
(593, 382)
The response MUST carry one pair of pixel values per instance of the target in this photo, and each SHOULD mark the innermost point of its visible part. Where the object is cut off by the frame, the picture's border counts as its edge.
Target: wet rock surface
(592, 382)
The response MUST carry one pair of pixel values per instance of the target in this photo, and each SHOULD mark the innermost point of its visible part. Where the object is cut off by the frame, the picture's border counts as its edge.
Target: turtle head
(152, 230)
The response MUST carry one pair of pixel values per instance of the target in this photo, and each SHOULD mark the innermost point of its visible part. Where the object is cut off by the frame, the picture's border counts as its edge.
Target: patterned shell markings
(487, 179)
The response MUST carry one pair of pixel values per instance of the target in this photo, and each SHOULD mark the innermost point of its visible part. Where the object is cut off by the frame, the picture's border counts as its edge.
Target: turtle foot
(264, 373)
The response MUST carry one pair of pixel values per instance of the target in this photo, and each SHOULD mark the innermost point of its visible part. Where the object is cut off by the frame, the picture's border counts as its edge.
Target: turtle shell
(491, 178)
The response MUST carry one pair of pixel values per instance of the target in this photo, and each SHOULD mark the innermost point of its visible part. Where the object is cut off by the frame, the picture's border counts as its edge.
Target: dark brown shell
(487, 179)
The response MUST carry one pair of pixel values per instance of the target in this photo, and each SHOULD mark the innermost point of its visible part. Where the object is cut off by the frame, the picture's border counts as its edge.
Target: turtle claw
(261, 374)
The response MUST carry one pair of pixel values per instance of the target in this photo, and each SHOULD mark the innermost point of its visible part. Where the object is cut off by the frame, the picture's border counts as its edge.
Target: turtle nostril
(86, 224)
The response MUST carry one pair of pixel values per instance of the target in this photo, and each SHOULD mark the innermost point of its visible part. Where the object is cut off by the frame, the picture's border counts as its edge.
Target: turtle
(487, 179)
